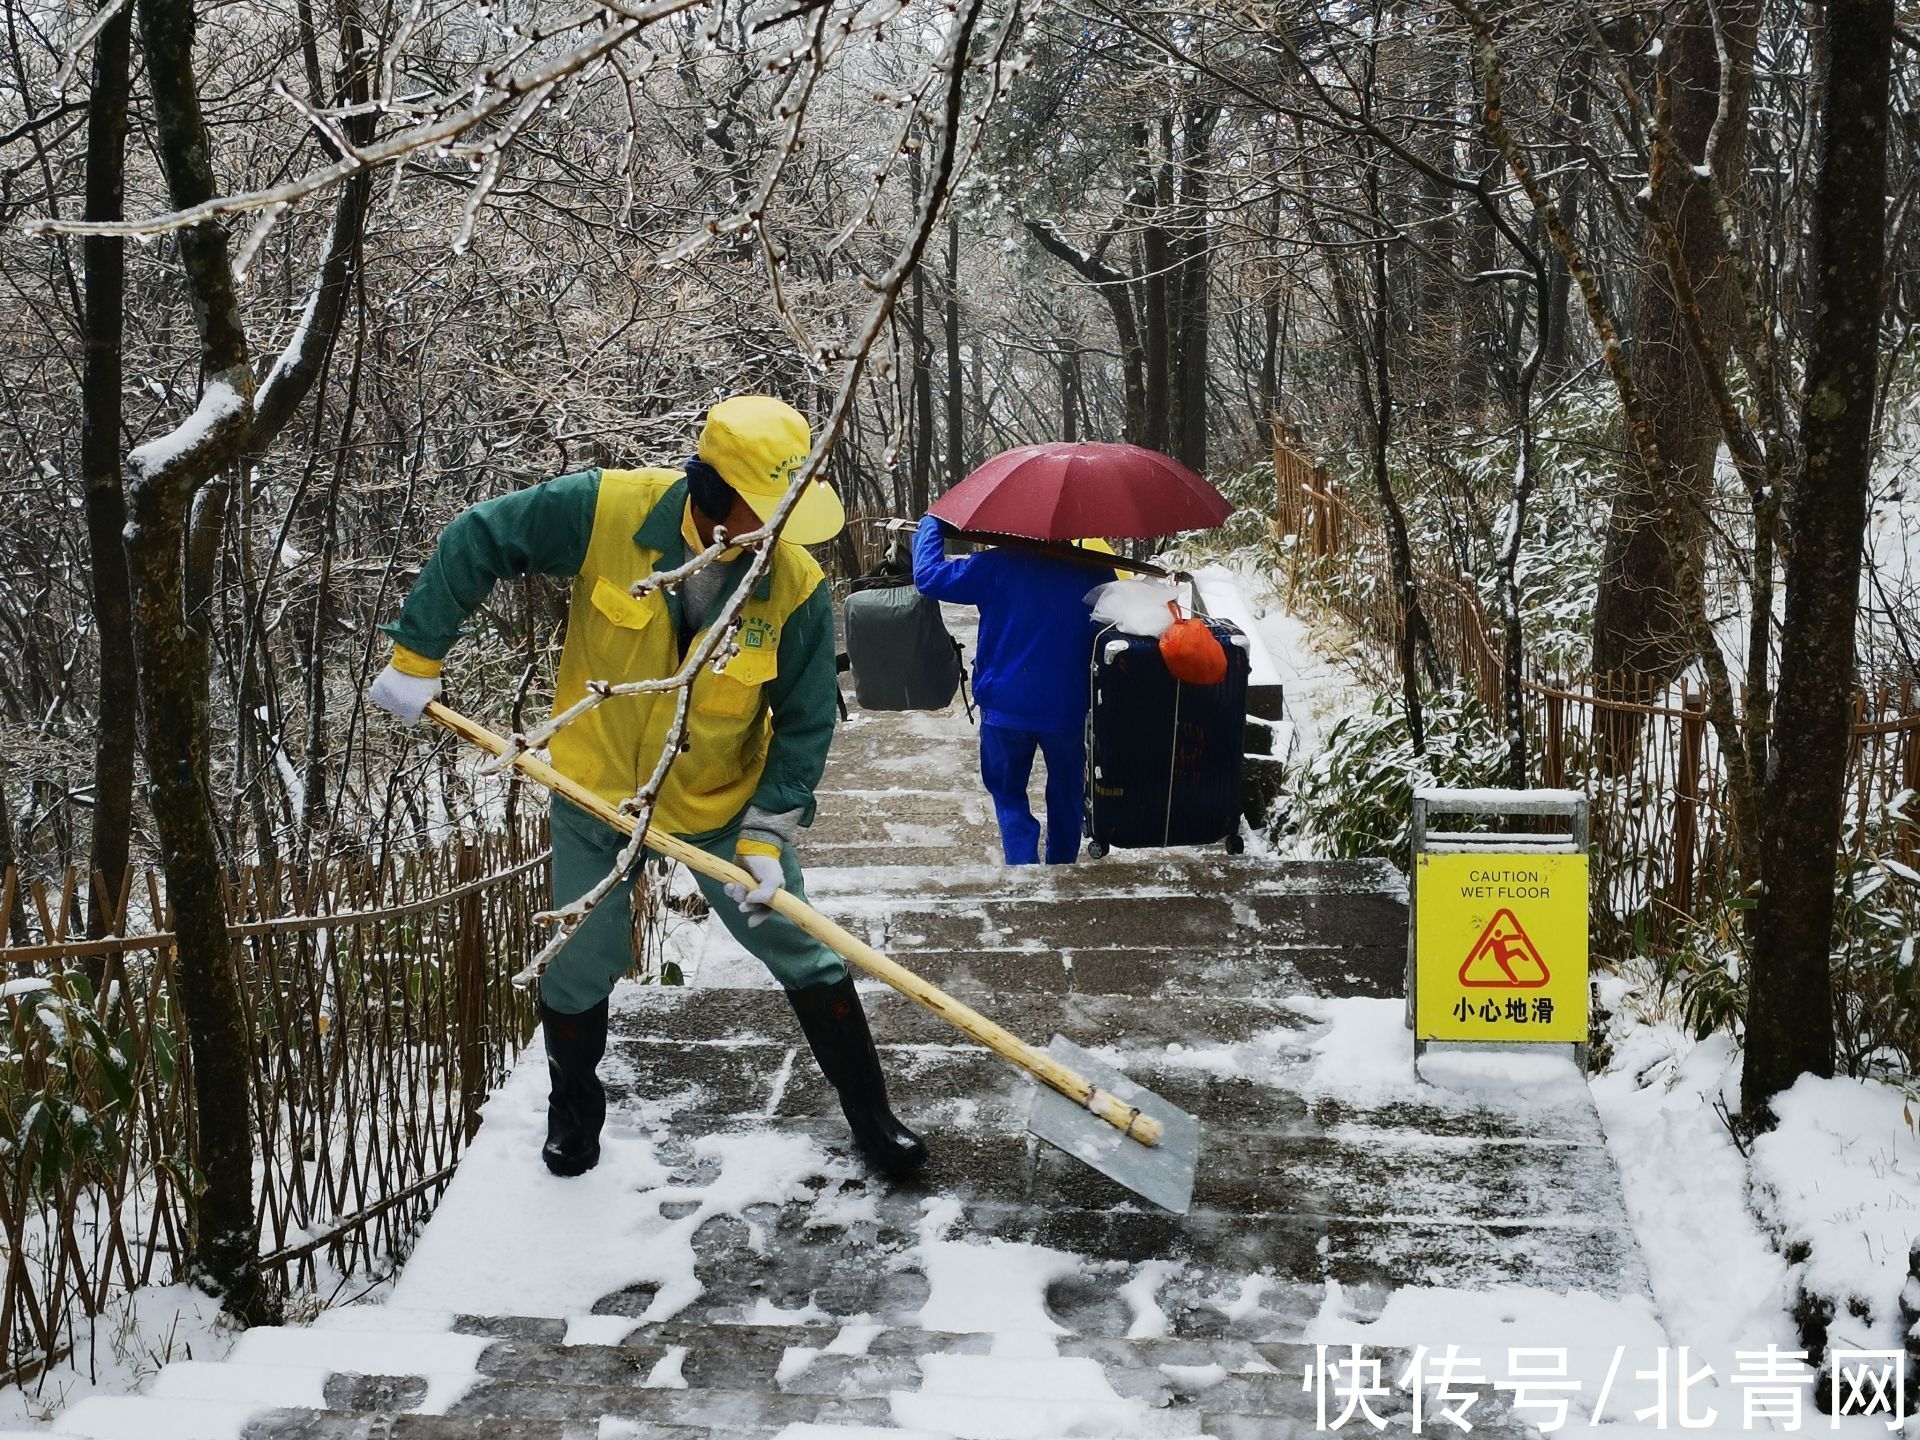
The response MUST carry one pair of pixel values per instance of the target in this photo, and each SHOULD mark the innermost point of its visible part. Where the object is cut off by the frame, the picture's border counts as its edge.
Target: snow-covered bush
(1702, 966)
(66, 1086)
(1356, 795)
(1703, 974)
(1249, 530)
(1875, 934)
(1457, 499)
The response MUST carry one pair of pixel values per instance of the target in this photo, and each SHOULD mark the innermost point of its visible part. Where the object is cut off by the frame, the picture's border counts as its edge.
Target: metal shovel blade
(1161, 1173)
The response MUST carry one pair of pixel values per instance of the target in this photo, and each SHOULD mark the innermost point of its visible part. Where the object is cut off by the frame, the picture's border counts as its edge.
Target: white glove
(768, 878)
(404, 696)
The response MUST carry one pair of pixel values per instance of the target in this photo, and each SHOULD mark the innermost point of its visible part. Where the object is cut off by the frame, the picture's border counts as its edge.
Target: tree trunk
(224, 1247)
(920, 456)
(1116, 288)
(1790, 994)
(1188, 427)
(172, 642)
(956, 467)
(1067, 364)
(1576, 103)
(977, 378)
(1641, 625)
(1157, 261)
(1513, 700)
(1273, 339)
(116, 733)
(173, 692)
(1413, 623)
(920, 448)
(14, 923)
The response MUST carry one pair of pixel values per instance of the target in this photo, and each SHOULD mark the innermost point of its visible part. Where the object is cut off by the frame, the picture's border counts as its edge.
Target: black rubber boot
(576, 1102)
(836, 1029)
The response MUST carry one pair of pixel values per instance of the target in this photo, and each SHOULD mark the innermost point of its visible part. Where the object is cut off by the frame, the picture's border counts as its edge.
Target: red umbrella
(1072, 492)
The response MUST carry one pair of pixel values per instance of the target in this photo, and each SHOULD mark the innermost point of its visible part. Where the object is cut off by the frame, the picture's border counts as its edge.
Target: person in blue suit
(1030, 677)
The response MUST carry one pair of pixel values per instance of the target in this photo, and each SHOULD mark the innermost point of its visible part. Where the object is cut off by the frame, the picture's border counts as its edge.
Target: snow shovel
(1088, 1109)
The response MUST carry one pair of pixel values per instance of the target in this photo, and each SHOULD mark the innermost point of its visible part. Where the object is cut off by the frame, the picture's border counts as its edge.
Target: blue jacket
(1036, 634)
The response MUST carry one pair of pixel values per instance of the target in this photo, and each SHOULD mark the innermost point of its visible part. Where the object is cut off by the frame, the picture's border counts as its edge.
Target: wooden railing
(1643, 753)
(380, 1017)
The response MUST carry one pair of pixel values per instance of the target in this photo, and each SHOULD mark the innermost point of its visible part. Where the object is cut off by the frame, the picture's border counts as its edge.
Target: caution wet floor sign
(1500, 947)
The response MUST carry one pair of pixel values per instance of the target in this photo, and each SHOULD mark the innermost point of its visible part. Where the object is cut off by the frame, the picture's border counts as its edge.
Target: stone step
(1364, 1210)
(1150, 873)
(1200, 924)
(746, 1413)
(1271, 972)
(878, 817)
(1238, 966)
(743, 1016)
(117, 1417)
(939, 1088)
(678, 1381)
(518, 1376)
(722, 1054)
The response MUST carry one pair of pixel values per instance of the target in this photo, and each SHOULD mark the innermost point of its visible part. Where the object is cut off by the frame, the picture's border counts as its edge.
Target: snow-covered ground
(154, 1327)
(1828, 1203)
(1836, 1185)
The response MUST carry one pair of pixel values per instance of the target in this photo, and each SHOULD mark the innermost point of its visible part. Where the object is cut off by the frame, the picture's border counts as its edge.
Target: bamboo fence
(380, 1017)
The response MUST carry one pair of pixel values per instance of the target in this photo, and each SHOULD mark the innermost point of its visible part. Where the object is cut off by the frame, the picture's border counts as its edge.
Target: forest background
(1607, 311)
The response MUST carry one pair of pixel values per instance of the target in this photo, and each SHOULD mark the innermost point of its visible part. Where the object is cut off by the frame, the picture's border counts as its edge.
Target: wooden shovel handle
(1043, 1067)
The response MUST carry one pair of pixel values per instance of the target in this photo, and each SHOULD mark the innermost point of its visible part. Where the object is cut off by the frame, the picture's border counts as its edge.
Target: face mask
(710, 495)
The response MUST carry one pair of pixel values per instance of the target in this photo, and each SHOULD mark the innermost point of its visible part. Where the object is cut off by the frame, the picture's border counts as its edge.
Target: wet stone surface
(1204, 977)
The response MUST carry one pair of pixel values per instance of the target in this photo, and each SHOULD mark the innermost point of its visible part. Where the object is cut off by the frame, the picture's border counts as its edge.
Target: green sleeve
(803, 701)
(542, 530)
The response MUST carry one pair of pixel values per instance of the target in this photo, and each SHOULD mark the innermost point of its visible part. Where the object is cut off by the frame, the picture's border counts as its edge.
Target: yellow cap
(758, 443)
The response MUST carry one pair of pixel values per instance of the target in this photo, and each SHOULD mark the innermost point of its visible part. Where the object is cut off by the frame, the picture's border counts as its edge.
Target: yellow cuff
(744, 846)
(410, 662)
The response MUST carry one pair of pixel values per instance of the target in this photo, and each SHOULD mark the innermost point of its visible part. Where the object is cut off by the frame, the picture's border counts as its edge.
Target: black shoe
(576, 1102)
(836, 1029)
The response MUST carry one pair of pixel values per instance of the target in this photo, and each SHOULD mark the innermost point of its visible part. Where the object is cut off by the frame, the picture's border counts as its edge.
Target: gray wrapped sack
(899, 650)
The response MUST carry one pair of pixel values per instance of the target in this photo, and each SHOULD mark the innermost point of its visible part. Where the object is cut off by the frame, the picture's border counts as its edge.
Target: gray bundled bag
(899, 650)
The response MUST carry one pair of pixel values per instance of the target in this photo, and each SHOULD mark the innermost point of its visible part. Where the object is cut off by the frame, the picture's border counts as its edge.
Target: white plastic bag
(1135, 607)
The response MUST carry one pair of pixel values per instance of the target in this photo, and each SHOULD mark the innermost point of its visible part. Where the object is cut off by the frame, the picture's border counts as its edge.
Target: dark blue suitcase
(1163, 758)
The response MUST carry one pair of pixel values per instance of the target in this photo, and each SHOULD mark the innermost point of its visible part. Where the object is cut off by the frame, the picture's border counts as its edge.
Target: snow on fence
(1644, 754)
(381, 1016)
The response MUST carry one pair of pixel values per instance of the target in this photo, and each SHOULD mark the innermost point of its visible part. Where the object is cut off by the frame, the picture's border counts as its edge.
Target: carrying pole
(1127, 1119)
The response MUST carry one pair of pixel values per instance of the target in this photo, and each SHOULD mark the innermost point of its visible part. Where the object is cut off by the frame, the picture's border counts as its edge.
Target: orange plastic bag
(1193, 653)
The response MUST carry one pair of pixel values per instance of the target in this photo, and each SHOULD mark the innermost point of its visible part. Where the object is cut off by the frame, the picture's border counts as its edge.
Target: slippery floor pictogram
(1503, 958)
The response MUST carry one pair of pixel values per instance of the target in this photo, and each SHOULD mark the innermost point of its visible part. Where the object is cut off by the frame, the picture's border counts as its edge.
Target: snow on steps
(1258, 994)
(684, 1382)
(692, 1382)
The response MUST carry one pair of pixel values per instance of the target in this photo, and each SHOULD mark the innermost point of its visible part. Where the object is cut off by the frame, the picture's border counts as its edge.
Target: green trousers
(601, 950)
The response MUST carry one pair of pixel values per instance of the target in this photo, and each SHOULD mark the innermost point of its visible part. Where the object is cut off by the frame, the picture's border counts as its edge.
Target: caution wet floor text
(1501, 947)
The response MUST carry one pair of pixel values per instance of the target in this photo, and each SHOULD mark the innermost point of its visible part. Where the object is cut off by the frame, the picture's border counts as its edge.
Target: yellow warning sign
(1500, 947)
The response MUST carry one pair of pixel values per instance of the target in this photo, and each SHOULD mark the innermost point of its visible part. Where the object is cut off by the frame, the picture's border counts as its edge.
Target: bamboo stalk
(1043, 1067)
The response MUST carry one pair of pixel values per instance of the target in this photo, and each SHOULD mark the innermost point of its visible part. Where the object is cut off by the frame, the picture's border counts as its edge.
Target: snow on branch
(220, 420)
(492, 94)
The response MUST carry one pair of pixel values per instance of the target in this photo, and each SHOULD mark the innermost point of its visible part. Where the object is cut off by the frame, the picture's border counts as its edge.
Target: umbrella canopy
(1071, 492)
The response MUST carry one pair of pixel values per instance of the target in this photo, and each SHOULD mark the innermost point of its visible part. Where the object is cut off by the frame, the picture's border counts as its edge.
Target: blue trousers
(1006, 763)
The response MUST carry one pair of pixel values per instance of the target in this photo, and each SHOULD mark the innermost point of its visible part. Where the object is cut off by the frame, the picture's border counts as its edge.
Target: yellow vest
(612, 636)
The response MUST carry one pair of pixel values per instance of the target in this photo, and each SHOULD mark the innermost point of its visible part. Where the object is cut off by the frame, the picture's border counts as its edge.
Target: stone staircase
(1007, 1291)
(703, 1382)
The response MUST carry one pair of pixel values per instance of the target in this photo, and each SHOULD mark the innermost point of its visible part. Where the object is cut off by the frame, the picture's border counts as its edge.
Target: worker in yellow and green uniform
(756, 740)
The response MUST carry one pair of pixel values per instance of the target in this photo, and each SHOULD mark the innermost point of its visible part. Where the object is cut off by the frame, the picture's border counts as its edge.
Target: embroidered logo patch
(757, 634)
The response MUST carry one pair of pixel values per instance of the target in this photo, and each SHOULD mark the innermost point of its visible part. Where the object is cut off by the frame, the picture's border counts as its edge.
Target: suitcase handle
(1195, 603)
